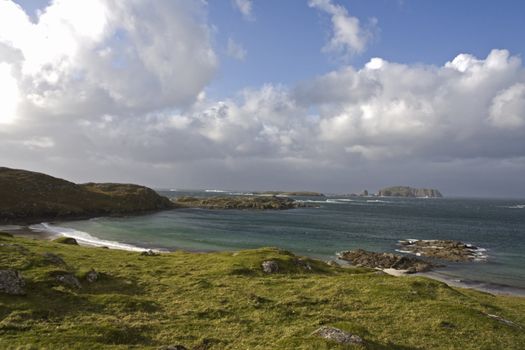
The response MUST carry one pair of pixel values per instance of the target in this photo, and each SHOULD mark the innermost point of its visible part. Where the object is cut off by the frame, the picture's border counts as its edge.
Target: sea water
(333, 225)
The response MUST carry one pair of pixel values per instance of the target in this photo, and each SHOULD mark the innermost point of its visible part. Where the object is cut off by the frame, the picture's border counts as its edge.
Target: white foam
(376, 201)
(84, 237)
(215, 191)
(517, 206)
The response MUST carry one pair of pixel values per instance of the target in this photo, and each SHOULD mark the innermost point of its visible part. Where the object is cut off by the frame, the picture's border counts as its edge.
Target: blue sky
(283, 41)
(326, 95)
(284, 38)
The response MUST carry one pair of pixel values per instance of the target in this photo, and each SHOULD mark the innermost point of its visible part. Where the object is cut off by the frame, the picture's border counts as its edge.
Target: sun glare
(9, 95)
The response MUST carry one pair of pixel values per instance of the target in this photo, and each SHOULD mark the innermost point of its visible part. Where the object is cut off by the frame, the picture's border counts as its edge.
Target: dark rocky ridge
(406, 191)
(238, 202)
(27, 196)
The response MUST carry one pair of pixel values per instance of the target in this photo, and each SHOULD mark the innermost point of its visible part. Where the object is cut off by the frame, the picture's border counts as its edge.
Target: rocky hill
(405, 191)
(27, 196)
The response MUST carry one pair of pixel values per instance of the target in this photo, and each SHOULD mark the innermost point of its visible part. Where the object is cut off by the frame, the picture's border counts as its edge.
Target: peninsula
(28, 197)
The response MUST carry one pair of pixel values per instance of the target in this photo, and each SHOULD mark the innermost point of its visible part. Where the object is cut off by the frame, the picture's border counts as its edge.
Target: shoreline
(46, 233)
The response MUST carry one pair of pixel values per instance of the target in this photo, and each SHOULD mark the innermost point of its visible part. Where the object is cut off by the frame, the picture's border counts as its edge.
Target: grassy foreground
(225, 301)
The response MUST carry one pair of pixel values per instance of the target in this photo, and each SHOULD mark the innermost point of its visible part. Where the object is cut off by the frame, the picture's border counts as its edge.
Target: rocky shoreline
(448, 250)
(434, 252)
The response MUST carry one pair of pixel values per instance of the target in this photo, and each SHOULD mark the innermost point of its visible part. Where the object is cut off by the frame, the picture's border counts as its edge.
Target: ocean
(334, 225)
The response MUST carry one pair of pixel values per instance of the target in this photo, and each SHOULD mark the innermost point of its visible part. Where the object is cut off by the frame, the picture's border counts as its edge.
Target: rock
(337, 335)
(303, 264)
(92, 276)
(53, 259)
(149, 253)
(333, 263)
(365, 258)
(12, 282)
(270, 266)
(449, 250)
(173, 347)
(405, 191)
(67, 279)
(66, 240)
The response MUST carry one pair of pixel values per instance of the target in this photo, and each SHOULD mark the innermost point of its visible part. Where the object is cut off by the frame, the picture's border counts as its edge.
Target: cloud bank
(123, 100)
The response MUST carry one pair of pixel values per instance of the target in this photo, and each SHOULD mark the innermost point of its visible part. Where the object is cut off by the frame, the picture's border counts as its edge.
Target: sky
(335, 96)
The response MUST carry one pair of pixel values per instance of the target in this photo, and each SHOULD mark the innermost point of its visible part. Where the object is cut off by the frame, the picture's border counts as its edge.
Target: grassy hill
(226, 301)
(27, 196)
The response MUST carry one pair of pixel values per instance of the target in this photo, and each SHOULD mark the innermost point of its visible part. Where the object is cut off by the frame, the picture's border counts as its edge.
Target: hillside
(406, 191)
(78, 297)
(27, 196)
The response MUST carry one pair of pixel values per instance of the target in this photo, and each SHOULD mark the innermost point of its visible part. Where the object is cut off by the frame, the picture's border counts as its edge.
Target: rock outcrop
(12, 282)
(67, 279)
(28, 196)
(66, 240)
(92, 276)
(365, 258)
(270, 266)
(337, 335)
(238, 202)
(405, 191)
(443, 249)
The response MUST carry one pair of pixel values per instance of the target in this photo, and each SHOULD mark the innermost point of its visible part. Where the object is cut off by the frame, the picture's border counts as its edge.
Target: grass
(225, 301)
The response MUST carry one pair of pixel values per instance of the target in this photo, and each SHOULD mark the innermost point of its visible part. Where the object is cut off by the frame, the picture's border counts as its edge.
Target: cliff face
(405, 191)
(27, 196)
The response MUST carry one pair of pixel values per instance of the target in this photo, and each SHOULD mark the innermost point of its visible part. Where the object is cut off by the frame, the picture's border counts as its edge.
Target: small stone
(337, 335)
(270, 266)
(66, 240)
(68, 279)
(92, 276)
(12, 282)
(149, 253)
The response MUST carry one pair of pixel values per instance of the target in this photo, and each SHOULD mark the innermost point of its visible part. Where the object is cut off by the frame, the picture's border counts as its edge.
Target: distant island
(238, 202)
(293, 193)
(28, 197)
(406, 191)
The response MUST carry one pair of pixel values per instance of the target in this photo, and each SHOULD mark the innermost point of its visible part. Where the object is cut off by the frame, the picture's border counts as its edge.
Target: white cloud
(348, 37)
(127, 97)
(246, 8)
(508, 107)
(236, 50)
(107, 56)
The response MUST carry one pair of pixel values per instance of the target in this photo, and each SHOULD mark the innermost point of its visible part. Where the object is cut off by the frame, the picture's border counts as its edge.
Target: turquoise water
(339, 224)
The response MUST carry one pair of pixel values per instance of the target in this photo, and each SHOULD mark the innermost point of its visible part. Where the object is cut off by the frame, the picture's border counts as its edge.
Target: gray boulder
(68, 280)
(337, 335)
(92, 276)
(270, 266)
(12, 282)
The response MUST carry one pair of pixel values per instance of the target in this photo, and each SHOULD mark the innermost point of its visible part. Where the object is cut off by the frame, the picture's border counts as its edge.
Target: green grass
(226, 301)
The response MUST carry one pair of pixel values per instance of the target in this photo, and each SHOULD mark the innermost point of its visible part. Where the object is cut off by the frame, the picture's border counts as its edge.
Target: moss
(225, 301)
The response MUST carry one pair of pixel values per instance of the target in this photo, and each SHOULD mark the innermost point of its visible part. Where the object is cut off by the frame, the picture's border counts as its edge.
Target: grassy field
(225, 301)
